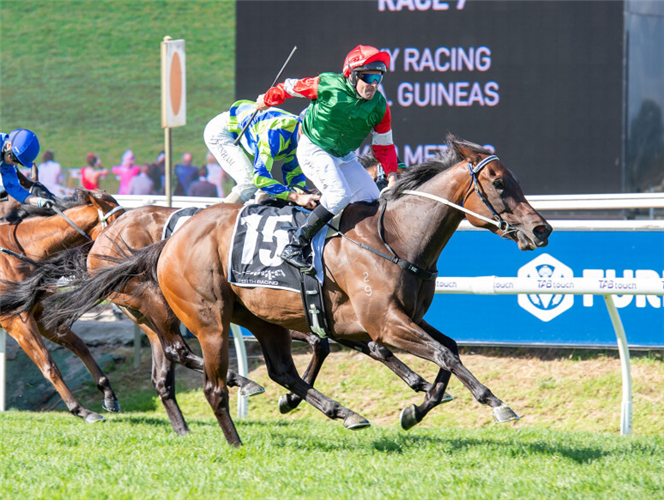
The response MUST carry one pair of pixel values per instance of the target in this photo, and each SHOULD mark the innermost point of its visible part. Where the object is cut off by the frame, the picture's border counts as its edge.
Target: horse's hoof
(93, 417)
(111, 405)
(504, 413)
(408, 418)
(447, 397)
(284, 405)
(251, 389)
(356, 422)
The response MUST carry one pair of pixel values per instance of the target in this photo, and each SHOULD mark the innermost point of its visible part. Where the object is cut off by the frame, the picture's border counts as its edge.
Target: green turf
(137, 456)
(85, 75)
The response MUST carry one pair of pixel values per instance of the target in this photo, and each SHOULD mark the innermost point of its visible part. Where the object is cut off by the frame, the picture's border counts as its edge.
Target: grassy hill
(85, 75)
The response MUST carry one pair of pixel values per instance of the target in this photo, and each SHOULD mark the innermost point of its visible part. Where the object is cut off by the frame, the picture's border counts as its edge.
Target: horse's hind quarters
(503, 414)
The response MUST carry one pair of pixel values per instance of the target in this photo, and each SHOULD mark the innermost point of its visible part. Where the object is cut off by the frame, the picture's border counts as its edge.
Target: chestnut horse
(413, 221)
(32, 239)
(137, 228)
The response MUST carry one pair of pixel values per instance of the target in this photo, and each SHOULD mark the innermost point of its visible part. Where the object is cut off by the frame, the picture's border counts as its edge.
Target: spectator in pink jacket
(126, 171)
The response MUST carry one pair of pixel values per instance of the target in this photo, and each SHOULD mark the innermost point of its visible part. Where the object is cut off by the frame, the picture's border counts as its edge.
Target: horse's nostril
(542, 231)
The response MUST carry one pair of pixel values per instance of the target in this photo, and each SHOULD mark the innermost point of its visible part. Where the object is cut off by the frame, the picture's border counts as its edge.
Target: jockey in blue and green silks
(19, 147)
(272, 135)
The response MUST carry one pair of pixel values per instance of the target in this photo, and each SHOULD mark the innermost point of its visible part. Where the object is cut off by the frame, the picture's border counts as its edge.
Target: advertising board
(553, 319)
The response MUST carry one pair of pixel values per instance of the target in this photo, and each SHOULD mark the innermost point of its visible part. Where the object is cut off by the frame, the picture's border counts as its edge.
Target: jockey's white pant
(340, 180)
(232, 158)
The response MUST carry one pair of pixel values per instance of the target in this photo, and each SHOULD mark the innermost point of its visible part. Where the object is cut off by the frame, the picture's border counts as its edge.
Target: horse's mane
(417, 175)
(23, 212)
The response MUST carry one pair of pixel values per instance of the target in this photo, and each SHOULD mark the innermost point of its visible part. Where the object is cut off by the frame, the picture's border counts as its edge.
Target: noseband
(497, 220)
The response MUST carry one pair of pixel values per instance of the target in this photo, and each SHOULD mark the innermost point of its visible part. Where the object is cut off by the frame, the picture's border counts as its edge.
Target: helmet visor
(370, 78)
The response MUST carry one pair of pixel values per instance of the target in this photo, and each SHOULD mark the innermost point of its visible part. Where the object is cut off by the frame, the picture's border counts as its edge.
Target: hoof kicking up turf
(504, 414)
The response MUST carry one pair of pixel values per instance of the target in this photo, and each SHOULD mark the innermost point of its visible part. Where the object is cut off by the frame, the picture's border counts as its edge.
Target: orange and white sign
(173, 84)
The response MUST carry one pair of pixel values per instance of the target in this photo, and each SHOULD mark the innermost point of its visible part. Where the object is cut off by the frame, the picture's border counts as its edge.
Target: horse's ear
(461, 151)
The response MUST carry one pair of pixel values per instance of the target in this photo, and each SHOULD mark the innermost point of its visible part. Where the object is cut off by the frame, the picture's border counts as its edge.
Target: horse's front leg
(68, 339)
(428, 343)
(24, 329)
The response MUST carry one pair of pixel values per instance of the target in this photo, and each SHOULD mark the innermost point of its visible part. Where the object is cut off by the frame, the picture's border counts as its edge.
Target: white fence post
(242, 369)
(626, 409)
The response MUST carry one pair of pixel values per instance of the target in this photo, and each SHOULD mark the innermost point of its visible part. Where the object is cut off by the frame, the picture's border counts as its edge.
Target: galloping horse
(38, 238)
(146, 305)
(413, 221)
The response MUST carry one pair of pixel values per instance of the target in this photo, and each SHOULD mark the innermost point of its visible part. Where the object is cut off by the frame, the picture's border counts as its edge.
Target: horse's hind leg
(25, 331)
(68, 339)
(163, 380)
(155, 311)
(320, 349)
(276, 345)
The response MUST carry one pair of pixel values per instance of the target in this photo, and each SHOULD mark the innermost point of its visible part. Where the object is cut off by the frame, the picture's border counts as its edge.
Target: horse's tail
(23, 296)
(64, 308)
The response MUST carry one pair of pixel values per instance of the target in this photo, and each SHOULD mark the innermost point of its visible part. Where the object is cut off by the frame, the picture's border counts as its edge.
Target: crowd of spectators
(208, 180)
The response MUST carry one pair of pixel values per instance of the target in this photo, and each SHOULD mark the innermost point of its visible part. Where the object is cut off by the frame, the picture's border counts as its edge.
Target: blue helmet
(25, 146)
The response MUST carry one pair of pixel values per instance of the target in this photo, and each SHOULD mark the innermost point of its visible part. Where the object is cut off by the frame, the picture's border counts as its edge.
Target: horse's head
(107, 207)
(494, 193)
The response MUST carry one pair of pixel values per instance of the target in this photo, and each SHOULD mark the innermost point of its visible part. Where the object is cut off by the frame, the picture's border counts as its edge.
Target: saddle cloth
(261, 232)
(177, 219)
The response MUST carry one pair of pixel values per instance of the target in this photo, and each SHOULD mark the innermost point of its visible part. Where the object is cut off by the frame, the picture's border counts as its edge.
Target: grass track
(566, 446)
(137, 456)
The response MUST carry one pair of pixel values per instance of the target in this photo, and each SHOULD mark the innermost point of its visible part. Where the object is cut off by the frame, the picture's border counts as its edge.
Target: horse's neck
(47, 235)
(420, 227)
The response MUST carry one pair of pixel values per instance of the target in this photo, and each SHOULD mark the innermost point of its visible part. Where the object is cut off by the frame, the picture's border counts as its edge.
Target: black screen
(540, 82)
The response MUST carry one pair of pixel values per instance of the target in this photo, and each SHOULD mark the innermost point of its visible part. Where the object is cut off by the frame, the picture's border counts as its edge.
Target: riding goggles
(370, 78)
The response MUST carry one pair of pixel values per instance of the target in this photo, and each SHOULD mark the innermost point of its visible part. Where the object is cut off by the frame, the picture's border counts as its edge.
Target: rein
(103, 218)
(403, 264)
(497, 220)
(18, 256)
(422, 274)
(69, 221)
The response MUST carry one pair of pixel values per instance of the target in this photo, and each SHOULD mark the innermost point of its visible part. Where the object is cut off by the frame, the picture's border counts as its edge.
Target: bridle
(497, 220)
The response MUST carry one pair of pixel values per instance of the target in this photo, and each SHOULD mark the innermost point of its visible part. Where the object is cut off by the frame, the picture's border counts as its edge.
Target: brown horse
(413, 221)
(146, 305)
(38, 238)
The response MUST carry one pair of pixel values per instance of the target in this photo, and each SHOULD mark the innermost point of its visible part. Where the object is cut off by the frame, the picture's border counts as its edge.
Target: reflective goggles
(370, 78)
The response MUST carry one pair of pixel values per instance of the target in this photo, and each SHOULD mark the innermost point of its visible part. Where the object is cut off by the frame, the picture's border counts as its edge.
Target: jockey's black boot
(293, 253)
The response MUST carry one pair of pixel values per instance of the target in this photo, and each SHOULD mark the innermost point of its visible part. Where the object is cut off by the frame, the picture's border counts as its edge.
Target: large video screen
(539, 82)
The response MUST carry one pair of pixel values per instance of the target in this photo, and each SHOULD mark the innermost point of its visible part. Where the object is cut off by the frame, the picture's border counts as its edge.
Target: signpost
(173, 99)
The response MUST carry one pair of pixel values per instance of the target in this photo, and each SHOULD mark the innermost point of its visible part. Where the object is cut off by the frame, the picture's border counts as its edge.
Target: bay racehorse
(146, 305)
(136, 228)
(34, 238)
(392, 247)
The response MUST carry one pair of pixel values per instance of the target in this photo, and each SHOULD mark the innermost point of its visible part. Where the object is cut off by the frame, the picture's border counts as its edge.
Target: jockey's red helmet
(366, 58)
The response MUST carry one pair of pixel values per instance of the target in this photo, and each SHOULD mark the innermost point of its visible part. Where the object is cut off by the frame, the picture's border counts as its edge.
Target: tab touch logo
(545, 306)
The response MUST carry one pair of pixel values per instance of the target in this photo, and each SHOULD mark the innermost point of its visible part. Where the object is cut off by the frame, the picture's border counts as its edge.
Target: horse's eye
(498, 184)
